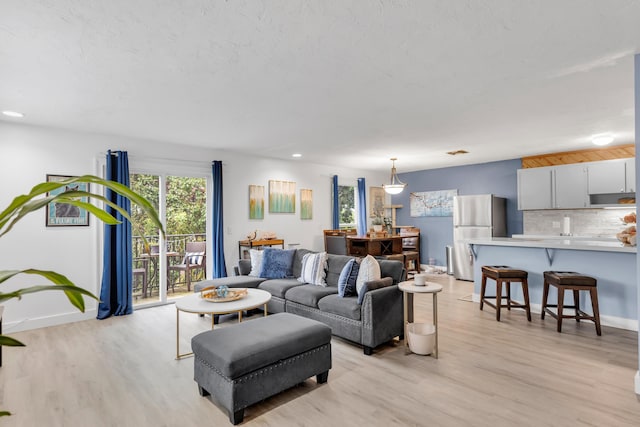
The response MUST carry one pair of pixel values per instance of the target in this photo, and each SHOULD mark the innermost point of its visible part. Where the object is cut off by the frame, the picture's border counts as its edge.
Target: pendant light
(396, 186)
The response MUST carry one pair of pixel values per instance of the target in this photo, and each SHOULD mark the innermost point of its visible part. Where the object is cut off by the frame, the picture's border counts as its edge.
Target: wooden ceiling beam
(580, 156)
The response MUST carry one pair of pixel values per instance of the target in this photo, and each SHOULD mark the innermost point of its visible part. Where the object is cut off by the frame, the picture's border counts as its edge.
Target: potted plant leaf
(39, 197)
(377, 222)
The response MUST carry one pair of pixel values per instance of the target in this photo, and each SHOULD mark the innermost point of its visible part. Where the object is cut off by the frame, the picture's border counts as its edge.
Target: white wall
(29, 153)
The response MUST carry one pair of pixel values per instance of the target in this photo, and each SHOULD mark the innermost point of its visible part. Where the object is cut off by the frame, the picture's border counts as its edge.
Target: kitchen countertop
(562, 242)
(603, 238)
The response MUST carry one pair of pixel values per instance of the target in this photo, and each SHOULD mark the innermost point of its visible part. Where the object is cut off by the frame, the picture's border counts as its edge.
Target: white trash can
(422, 338)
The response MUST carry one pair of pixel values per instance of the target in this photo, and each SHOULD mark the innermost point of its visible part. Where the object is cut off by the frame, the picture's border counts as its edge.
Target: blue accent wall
(499, 178)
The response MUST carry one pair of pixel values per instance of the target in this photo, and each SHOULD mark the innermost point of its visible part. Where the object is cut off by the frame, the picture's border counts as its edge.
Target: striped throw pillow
(314, 269)
(194, 258)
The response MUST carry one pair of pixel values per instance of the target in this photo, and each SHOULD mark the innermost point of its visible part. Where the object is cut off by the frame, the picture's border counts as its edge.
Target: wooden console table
(258, 244)
(376, 246)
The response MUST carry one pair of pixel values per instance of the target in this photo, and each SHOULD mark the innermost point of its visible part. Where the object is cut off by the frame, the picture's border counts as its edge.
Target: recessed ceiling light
(296, 155)
(13, 114)
(602, 139)
(453, 153)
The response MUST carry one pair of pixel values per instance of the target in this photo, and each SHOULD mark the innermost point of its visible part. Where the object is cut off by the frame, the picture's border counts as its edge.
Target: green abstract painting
(306, 204)
(256, 202)
(282, 197)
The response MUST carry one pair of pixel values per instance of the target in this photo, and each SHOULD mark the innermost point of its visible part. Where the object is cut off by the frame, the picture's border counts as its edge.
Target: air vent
(454, 153)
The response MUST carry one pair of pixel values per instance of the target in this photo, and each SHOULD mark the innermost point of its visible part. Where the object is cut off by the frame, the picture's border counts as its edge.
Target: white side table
(408, 288)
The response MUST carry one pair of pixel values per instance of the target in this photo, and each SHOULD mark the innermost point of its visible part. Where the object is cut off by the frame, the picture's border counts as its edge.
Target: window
(347, 206)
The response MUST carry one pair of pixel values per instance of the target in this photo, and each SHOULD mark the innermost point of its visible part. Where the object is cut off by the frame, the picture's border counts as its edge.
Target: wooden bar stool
(576, 282)
(411, 262)
(504, 274)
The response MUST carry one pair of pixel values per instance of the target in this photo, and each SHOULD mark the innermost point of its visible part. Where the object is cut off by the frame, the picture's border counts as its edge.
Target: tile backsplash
(584, 222)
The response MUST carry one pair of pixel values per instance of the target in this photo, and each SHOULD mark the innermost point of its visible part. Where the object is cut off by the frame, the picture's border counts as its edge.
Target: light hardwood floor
(122, 372)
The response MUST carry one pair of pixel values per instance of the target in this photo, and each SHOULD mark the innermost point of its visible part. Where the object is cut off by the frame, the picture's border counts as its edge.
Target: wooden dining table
(375, 246)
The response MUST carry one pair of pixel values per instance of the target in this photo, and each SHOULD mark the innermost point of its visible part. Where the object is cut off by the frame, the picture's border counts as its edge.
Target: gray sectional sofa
(377, 320)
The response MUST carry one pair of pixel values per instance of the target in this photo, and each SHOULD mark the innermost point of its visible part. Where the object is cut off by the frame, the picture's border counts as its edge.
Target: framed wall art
(282, 197)
(64, 214)
(256, 202)
(377, 201)
(306, 204)
(432, 203)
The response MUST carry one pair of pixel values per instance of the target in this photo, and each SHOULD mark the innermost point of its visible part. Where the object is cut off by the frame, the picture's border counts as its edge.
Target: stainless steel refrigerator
(475, 217)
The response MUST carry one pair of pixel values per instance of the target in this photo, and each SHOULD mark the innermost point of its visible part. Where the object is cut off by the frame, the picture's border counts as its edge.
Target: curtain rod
(163, 159)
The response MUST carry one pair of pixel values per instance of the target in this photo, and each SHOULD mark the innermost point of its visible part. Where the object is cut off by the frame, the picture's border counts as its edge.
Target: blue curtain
(219, 267)
(116, 293)
(336, 204)
(362, 207)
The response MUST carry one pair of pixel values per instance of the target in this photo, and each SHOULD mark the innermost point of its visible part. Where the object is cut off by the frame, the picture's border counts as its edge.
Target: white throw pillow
(256, 262)
(369, 270)
(314, 269)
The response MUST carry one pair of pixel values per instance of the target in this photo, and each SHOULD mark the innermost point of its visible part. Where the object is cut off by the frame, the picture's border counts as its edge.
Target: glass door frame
(162, 168)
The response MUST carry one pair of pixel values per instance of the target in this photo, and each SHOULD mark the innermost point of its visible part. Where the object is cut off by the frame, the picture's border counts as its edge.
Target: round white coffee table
(409, 288)
(195, 304)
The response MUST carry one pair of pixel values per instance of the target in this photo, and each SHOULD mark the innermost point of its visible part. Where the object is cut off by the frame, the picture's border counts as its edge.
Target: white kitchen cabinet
(630, 175)
(570, 185)
(576, 186)
(534, 188)
(607, 177)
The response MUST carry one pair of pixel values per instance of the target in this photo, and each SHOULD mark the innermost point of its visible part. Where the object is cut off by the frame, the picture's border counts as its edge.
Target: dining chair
(411, 249)
(140, 270)
(194, 259)
(335, 241)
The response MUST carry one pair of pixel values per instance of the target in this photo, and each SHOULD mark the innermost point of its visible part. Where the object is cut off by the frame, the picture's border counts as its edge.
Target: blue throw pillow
(277, 263)
(347, 279)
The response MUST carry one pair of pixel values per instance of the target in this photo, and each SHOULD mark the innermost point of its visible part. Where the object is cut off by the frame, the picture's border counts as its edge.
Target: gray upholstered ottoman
(247, 362)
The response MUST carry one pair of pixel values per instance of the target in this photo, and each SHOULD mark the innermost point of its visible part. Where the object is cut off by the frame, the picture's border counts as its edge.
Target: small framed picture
(256, 201)
(64, 214)
(306, 204)
(377, 201)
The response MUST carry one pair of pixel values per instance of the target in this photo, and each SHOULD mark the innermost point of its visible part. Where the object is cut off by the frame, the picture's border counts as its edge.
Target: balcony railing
(175, 242)
(146, 288)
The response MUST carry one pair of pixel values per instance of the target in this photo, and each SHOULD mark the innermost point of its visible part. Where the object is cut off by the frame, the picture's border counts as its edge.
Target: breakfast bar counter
(609, 261)
(573, 243)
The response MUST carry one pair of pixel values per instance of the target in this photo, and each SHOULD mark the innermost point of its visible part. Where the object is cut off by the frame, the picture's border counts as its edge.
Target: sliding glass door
(166, 267)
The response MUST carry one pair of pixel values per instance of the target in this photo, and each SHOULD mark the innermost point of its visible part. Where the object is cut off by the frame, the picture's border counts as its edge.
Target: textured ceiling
(342, 82)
